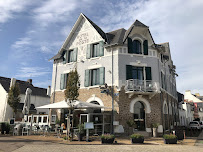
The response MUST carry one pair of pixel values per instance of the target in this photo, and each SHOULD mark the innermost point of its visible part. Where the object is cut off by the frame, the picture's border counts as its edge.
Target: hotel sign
(82, 39)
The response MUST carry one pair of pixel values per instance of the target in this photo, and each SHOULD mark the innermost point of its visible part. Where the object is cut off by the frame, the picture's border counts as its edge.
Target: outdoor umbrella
(67, 105)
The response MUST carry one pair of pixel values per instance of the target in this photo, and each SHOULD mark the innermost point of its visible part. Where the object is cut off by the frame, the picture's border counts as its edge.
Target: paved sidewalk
(199, 141)
(50, 143)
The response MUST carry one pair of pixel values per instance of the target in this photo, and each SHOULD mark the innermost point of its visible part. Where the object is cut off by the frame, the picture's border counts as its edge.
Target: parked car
(201, 123)
(194, 125)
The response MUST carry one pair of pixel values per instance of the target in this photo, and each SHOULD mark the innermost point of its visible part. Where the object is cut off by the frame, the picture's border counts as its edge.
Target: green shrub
(169, 136)
(136, 136)
(130, 123)
(81, 129)
(155, 125)
(107, 136)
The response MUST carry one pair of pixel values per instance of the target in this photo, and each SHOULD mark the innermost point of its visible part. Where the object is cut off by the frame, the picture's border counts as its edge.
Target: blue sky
(31, 32)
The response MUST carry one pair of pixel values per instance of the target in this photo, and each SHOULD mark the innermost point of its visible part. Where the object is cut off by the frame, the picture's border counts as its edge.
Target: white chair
(25, 130)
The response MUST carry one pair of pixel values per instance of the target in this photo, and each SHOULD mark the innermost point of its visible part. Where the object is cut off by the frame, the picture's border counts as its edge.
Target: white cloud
(43, 84)
(22, 42)
(30, 72)
(9, 8)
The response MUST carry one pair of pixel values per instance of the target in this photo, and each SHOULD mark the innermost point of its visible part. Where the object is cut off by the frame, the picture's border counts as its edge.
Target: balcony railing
(135, 85)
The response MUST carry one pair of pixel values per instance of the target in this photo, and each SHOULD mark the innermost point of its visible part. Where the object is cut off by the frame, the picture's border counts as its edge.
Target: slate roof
(137, 23)
(5, 82)
(116, 37)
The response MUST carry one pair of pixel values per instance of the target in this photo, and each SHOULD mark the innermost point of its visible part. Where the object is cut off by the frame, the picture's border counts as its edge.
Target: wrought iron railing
(141, 85)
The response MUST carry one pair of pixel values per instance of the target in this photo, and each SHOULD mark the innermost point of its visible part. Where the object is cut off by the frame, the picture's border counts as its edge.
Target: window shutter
(145, 46)
(87, 77)
(128, 72)
(101, 48)
(101, 75)
(88, 53)
(62, 81)
(130, 45)
(148, 73)
(75, 52)
(65, 80)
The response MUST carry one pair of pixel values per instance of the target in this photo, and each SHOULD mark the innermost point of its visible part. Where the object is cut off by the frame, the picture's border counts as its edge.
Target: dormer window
(135, 46)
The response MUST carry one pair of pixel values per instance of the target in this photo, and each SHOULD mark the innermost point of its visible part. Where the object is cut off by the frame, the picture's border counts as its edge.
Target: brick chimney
(29, 81)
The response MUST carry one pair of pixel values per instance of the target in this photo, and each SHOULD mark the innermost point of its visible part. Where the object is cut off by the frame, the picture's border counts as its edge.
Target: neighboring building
(182, 111)
(141, 71)
(39, 97)
(197, 102)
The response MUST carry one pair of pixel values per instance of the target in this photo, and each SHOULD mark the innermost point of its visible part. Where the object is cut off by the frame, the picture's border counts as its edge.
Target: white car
(194, 125)
(201, 123)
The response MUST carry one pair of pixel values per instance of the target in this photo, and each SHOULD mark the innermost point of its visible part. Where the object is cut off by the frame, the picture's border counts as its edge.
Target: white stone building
(141, 72)
(39, 97)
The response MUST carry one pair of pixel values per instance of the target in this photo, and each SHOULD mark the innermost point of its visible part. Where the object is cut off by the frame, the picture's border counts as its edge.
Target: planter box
(170, 141)
(80, 136)
(107, 141)
(137, 140)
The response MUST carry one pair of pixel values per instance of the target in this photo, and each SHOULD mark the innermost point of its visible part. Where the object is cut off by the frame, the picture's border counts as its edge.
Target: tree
(72, 93)
(72, 89)
(14, 97)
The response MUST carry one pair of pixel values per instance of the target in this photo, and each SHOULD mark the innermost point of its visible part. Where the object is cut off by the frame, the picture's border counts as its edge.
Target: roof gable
(137, 23)
(82, 22)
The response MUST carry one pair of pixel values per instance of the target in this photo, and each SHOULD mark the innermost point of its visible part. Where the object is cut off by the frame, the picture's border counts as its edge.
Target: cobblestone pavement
(199, 141)
(38, 144)
(106, 148)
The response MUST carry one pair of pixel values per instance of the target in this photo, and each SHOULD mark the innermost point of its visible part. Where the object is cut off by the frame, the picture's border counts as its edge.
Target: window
(70, 56)
(95, 50)
(53, 118)
(94, 77)
(133, 72)
(63, 81)
(135, 46)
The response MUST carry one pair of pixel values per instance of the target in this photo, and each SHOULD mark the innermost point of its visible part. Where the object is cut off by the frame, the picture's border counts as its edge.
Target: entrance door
(139, 116)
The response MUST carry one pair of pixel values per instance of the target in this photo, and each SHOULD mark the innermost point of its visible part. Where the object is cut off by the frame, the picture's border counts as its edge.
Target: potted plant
(137, 138)
(154, 129)
(170, 139)
(81, 132)
(131, 125)
(107, 138)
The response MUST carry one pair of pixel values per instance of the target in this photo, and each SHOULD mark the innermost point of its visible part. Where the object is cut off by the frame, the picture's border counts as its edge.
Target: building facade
(39, 97)
(139, 71)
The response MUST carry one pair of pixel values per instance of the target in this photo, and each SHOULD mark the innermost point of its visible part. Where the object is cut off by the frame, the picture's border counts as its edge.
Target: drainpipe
(112, 91)
(55, 83)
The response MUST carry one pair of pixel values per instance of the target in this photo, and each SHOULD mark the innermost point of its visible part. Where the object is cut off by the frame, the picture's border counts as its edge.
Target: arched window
(137, 47)
(96, 110)
(139, 115)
